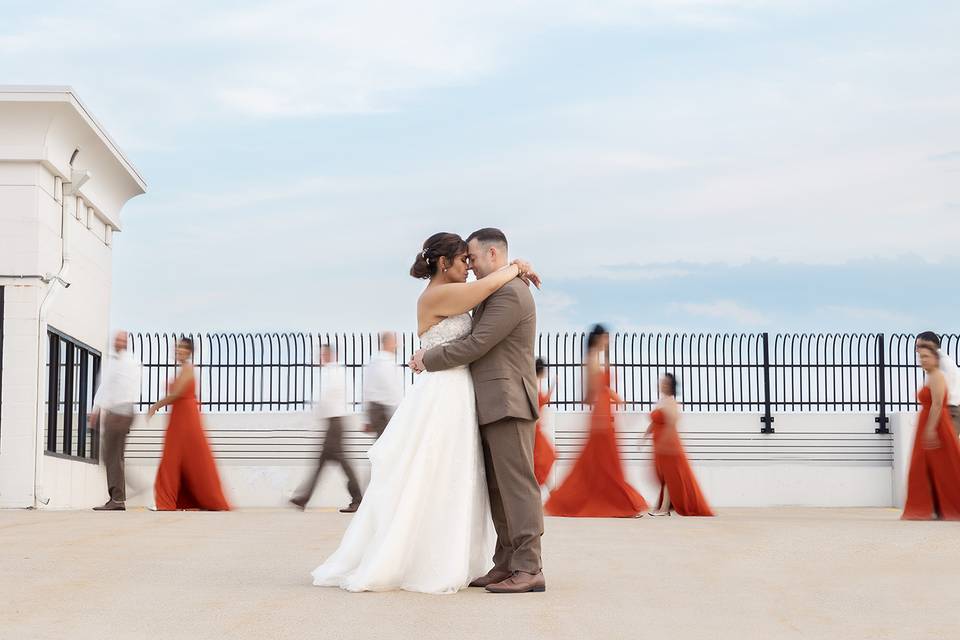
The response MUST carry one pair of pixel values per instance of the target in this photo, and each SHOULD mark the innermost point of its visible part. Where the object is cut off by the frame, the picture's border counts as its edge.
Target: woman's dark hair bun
(539, 365)
(186, 342)
(439, 245)
(672, 379)
(595, 334)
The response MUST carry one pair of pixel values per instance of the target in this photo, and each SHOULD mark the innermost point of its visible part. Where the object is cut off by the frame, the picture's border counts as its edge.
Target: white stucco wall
(20, 394)
(40, 128)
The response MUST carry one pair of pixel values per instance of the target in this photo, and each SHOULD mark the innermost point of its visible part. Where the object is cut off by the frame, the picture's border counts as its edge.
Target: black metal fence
(758, 373)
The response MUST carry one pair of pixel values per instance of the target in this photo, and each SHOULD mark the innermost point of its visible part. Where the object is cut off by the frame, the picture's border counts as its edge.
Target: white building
(63, 183)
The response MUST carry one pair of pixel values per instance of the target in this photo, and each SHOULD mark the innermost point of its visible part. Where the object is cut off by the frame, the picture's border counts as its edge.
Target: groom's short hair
(489, 235)
(929, 336)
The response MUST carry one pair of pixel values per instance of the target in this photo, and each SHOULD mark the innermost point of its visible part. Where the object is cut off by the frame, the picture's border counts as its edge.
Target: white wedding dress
(424, 522)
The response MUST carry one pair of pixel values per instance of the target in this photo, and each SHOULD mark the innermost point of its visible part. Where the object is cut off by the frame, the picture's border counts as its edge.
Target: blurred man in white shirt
(113, 405)
(330, 406)
(951, 374)
(382, 385)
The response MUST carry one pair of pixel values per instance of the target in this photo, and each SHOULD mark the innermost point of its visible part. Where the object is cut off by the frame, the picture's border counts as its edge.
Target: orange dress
(933, 482)
(187, 477)
(543, 454)
(596, 486)
(674, 471)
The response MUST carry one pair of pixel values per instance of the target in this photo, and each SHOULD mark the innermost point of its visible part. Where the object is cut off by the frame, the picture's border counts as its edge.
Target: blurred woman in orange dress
(596, 486)
(933, 482)
(543, 453)
(678, 486)
(187, 477)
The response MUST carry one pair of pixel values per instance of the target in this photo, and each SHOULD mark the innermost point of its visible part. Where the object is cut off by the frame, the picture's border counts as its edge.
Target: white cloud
(949, 156)
(804, 207)
(299, 58)
(867, 317)
(635, 272)
(691, 14)
(282, 58)
(555, 308)
(806, 150)
(723, 310)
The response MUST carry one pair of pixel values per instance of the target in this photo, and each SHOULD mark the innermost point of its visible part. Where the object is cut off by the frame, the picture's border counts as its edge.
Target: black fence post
(766, 419)
(882, 419)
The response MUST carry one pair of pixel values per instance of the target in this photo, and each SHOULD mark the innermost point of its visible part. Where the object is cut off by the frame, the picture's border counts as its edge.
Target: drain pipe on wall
(55, 283)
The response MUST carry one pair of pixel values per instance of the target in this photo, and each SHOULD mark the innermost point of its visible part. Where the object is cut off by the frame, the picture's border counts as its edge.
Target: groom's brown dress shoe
(520, 582)
(494, 575)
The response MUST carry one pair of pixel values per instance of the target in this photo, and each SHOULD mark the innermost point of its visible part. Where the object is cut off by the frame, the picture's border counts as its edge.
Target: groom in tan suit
(500, 353)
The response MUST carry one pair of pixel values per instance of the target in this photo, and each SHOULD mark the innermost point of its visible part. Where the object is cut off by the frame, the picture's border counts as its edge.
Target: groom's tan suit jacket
(500, 352)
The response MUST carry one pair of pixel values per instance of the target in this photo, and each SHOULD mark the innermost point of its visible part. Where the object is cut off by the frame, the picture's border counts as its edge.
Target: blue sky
(701, 165)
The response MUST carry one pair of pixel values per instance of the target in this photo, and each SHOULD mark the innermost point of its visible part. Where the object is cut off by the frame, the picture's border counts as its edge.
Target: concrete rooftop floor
(749, 573)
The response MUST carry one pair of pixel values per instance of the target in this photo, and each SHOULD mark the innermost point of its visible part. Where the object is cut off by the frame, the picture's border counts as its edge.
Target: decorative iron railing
(757, 373)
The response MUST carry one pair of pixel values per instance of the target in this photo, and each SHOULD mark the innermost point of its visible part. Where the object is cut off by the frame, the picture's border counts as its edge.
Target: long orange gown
(543, 453)
(596, 486)
(674, 471)
(933, 482)
(187, 477)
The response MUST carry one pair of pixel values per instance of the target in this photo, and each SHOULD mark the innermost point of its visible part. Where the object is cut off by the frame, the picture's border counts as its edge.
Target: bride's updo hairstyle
(439, 245)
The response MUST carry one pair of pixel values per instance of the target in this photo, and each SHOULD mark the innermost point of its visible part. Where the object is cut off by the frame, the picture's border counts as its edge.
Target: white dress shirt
(952, 375)
(383, 380)
(119, 383)
(330, 400)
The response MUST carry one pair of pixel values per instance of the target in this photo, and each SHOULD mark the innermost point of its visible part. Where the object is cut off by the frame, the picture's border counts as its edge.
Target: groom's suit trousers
(514, 493)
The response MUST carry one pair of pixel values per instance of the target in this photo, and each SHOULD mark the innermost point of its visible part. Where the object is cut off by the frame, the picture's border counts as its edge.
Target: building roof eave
(66, 94)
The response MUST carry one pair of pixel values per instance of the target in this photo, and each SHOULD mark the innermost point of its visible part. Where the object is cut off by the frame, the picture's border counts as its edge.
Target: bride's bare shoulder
(432, 297)
(427, 315)
(423, 303)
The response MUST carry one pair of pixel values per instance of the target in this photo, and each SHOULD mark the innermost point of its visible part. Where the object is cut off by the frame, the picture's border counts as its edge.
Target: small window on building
(73, 369)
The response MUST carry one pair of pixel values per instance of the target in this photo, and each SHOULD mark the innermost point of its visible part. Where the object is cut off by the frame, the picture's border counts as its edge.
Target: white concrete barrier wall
(904, 428)
(262, 457)
(811, 459)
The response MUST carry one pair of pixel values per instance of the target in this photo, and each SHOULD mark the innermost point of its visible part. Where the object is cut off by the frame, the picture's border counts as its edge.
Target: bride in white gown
(424, 523)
